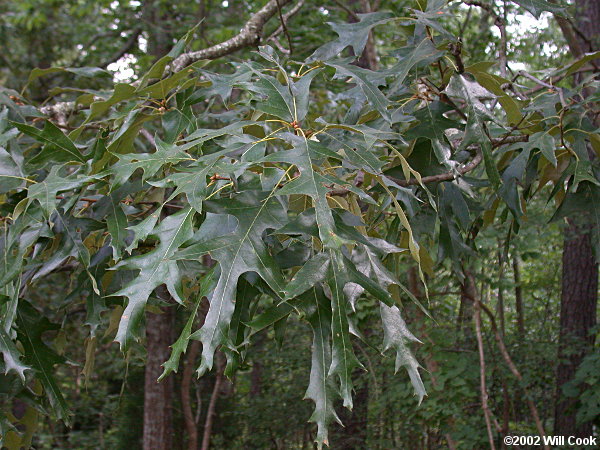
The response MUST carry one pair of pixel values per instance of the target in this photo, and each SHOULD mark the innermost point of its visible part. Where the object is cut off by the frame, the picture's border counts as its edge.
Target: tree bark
(579, 267)
(158, 397)
(577, 318)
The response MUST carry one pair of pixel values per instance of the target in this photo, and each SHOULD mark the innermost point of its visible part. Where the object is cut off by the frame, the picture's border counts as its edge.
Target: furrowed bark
(158, 397)
(579, 296)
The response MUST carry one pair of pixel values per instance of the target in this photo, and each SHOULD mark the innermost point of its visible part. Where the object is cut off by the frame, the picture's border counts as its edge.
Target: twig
(522, 73)
(485, 6)
(280, 47)
(286, 17)
(351, 13)
(463, 27)
(284, 27)
(186, 406)
(148, 136)
(546, 85)
(94, 200)
(455, 50)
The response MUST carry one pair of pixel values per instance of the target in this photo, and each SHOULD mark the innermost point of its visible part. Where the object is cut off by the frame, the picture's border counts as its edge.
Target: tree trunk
(158, 397)
(580, 269)
(577, 318)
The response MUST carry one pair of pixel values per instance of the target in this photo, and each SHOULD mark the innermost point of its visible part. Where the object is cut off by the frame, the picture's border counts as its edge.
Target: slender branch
(280, 47)
(553, 80)
(129, 44)
(286, 17)
(125, 202)
(485, 6)
(511, 365)
(211, 411)
(451, 175)
(463, 27)
(522, 73)
(148, 136)
(104, 34)
(186, 406)
(455, 50)
(351, 13)
(482, 386)
(284, 26)
(545, 85)
(500, 23)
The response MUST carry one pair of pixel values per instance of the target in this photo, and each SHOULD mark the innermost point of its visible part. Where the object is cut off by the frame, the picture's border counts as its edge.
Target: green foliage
(309, 183)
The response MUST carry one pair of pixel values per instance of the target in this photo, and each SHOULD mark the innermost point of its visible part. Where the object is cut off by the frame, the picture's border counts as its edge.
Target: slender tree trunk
(212, 406)
(509, 362)
(502, 256)
(518, 295)
(432, 366)
(468, 291)
(579, 267)
(500, 304)
(186, 405)
(482, 384)
(158, 397)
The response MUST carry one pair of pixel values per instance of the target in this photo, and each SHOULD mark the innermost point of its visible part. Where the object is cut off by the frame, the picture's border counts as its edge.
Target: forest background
(480, 204)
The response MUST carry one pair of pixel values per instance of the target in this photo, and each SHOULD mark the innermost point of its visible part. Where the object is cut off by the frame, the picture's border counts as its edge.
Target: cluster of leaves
(303, 204)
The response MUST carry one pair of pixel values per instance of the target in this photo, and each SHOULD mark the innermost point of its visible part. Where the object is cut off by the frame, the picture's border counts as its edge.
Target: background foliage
(296, 212)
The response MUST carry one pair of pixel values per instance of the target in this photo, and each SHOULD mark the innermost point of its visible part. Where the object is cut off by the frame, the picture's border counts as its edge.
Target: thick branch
(249, 35)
